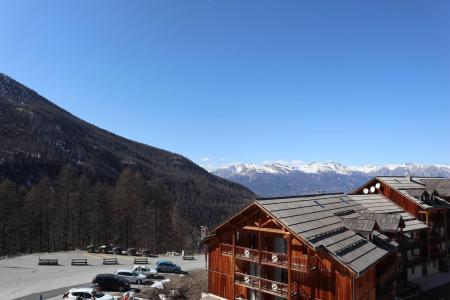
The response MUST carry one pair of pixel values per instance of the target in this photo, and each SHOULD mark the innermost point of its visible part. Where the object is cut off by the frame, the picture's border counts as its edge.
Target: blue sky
(349, 81)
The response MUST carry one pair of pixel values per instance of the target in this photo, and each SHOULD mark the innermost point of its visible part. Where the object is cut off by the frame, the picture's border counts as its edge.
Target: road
(22, 278)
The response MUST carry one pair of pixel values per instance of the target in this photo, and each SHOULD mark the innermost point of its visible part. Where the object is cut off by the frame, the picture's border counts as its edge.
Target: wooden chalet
(424, 205)
(323, 246)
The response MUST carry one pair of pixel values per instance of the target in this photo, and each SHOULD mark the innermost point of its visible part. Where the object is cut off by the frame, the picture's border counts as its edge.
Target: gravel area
(21, 276)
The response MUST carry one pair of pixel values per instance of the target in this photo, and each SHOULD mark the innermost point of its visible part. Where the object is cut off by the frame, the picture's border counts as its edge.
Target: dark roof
(387, 222)
(319, 220)
(383, 241)
(360, 225)
(379, 204)
(414, 187)
(440, 185)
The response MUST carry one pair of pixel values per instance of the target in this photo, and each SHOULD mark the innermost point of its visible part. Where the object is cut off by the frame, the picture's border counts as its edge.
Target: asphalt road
(22, 278)
(51, 294)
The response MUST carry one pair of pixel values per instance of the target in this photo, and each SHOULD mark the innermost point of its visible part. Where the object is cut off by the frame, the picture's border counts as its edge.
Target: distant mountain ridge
(291, 178)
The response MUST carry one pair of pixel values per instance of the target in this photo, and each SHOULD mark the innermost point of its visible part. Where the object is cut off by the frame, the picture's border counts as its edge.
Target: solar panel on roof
(344, 212)
(344, 200)
(317, 202)
(351, 247)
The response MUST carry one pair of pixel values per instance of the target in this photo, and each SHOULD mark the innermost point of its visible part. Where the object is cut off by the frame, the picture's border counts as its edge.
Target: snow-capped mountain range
(295, 177)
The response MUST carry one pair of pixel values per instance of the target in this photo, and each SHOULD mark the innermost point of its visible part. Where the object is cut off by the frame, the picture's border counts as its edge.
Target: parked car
(131, 251)
(132, 277)
(117, 250)
(103, 249)
(85, 293)
(111, 282)
(167, 266)
(148, 253)
(144, 270)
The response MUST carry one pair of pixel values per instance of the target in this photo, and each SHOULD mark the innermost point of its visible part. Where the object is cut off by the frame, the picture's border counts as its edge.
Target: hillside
(294, 178)
(39, 140)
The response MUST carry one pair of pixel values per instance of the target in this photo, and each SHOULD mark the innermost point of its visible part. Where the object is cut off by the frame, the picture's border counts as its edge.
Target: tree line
(71, 212)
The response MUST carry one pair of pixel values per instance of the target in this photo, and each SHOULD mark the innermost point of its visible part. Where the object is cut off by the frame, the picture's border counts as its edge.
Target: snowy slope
(289, 178)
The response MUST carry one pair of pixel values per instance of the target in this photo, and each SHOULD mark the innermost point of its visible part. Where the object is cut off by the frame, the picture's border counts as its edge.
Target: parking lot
(22, 278)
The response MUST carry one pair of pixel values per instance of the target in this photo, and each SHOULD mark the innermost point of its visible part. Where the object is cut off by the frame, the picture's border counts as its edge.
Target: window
(412, 270)
(253, 240)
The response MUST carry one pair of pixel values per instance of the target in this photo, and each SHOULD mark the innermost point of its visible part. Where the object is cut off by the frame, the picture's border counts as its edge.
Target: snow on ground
(21, 276)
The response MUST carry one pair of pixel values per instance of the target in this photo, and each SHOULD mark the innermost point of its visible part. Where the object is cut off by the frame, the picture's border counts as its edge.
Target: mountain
(293, 178)
(39, 139)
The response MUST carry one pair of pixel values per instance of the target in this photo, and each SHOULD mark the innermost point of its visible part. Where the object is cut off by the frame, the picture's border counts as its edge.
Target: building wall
(324, 278)
(220, 278)
(365, 285)
(414, 272)
(432, 267)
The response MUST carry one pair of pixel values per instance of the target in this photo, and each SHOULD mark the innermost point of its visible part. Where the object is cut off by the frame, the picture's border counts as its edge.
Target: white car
(144, 270)
(132, 277)
(85, 293)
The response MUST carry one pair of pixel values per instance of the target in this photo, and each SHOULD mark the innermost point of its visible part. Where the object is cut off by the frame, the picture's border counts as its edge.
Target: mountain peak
(294, 178)
(16, 92)
(282, 167)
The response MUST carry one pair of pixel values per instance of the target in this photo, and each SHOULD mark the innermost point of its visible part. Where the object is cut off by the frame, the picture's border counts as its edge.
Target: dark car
(148, 253)
(117, 250)
(111, 282)
(165, 266)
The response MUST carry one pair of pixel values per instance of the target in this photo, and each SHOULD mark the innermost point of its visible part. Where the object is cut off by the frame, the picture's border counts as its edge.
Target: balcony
(437, 239)
(437, 254)
(414, 261)
(281, 260)
(414, 243)
(267, 258)
(265, 285)
(247, 254)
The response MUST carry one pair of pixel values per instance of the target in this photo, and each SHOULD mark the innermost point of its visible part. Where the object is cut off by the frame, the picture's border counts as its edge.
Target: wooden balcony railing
(437, 253)
(281, 260)
(415, 260)
(415, 243)
(247, 253)
(226, 249)
(437, 238)
(272, 258)
(267, 257)
(265, 285)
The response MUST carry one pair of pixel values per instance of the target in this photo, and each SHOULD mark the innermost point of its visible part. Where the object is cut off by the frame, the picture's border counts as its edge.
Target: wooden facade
(252, 256)
(423, 252)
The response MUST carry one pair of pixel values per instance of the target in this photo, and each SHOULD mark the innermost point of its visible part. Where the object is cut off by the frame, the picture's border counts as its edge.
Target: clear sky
(350, 81)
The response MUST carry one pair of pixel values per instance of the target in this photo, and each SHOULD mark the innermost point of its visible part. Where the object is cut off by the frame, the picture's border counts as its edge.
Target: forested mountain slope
(65, 183)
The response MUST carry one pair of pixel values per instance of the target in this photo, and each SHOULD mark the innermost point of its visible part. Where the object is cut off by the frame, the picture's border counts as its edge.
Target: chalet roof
(360, 225)
(440, 185)
(379, 204)
(319, 220)
(387, 222)
(383, 241)
(414, 188)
